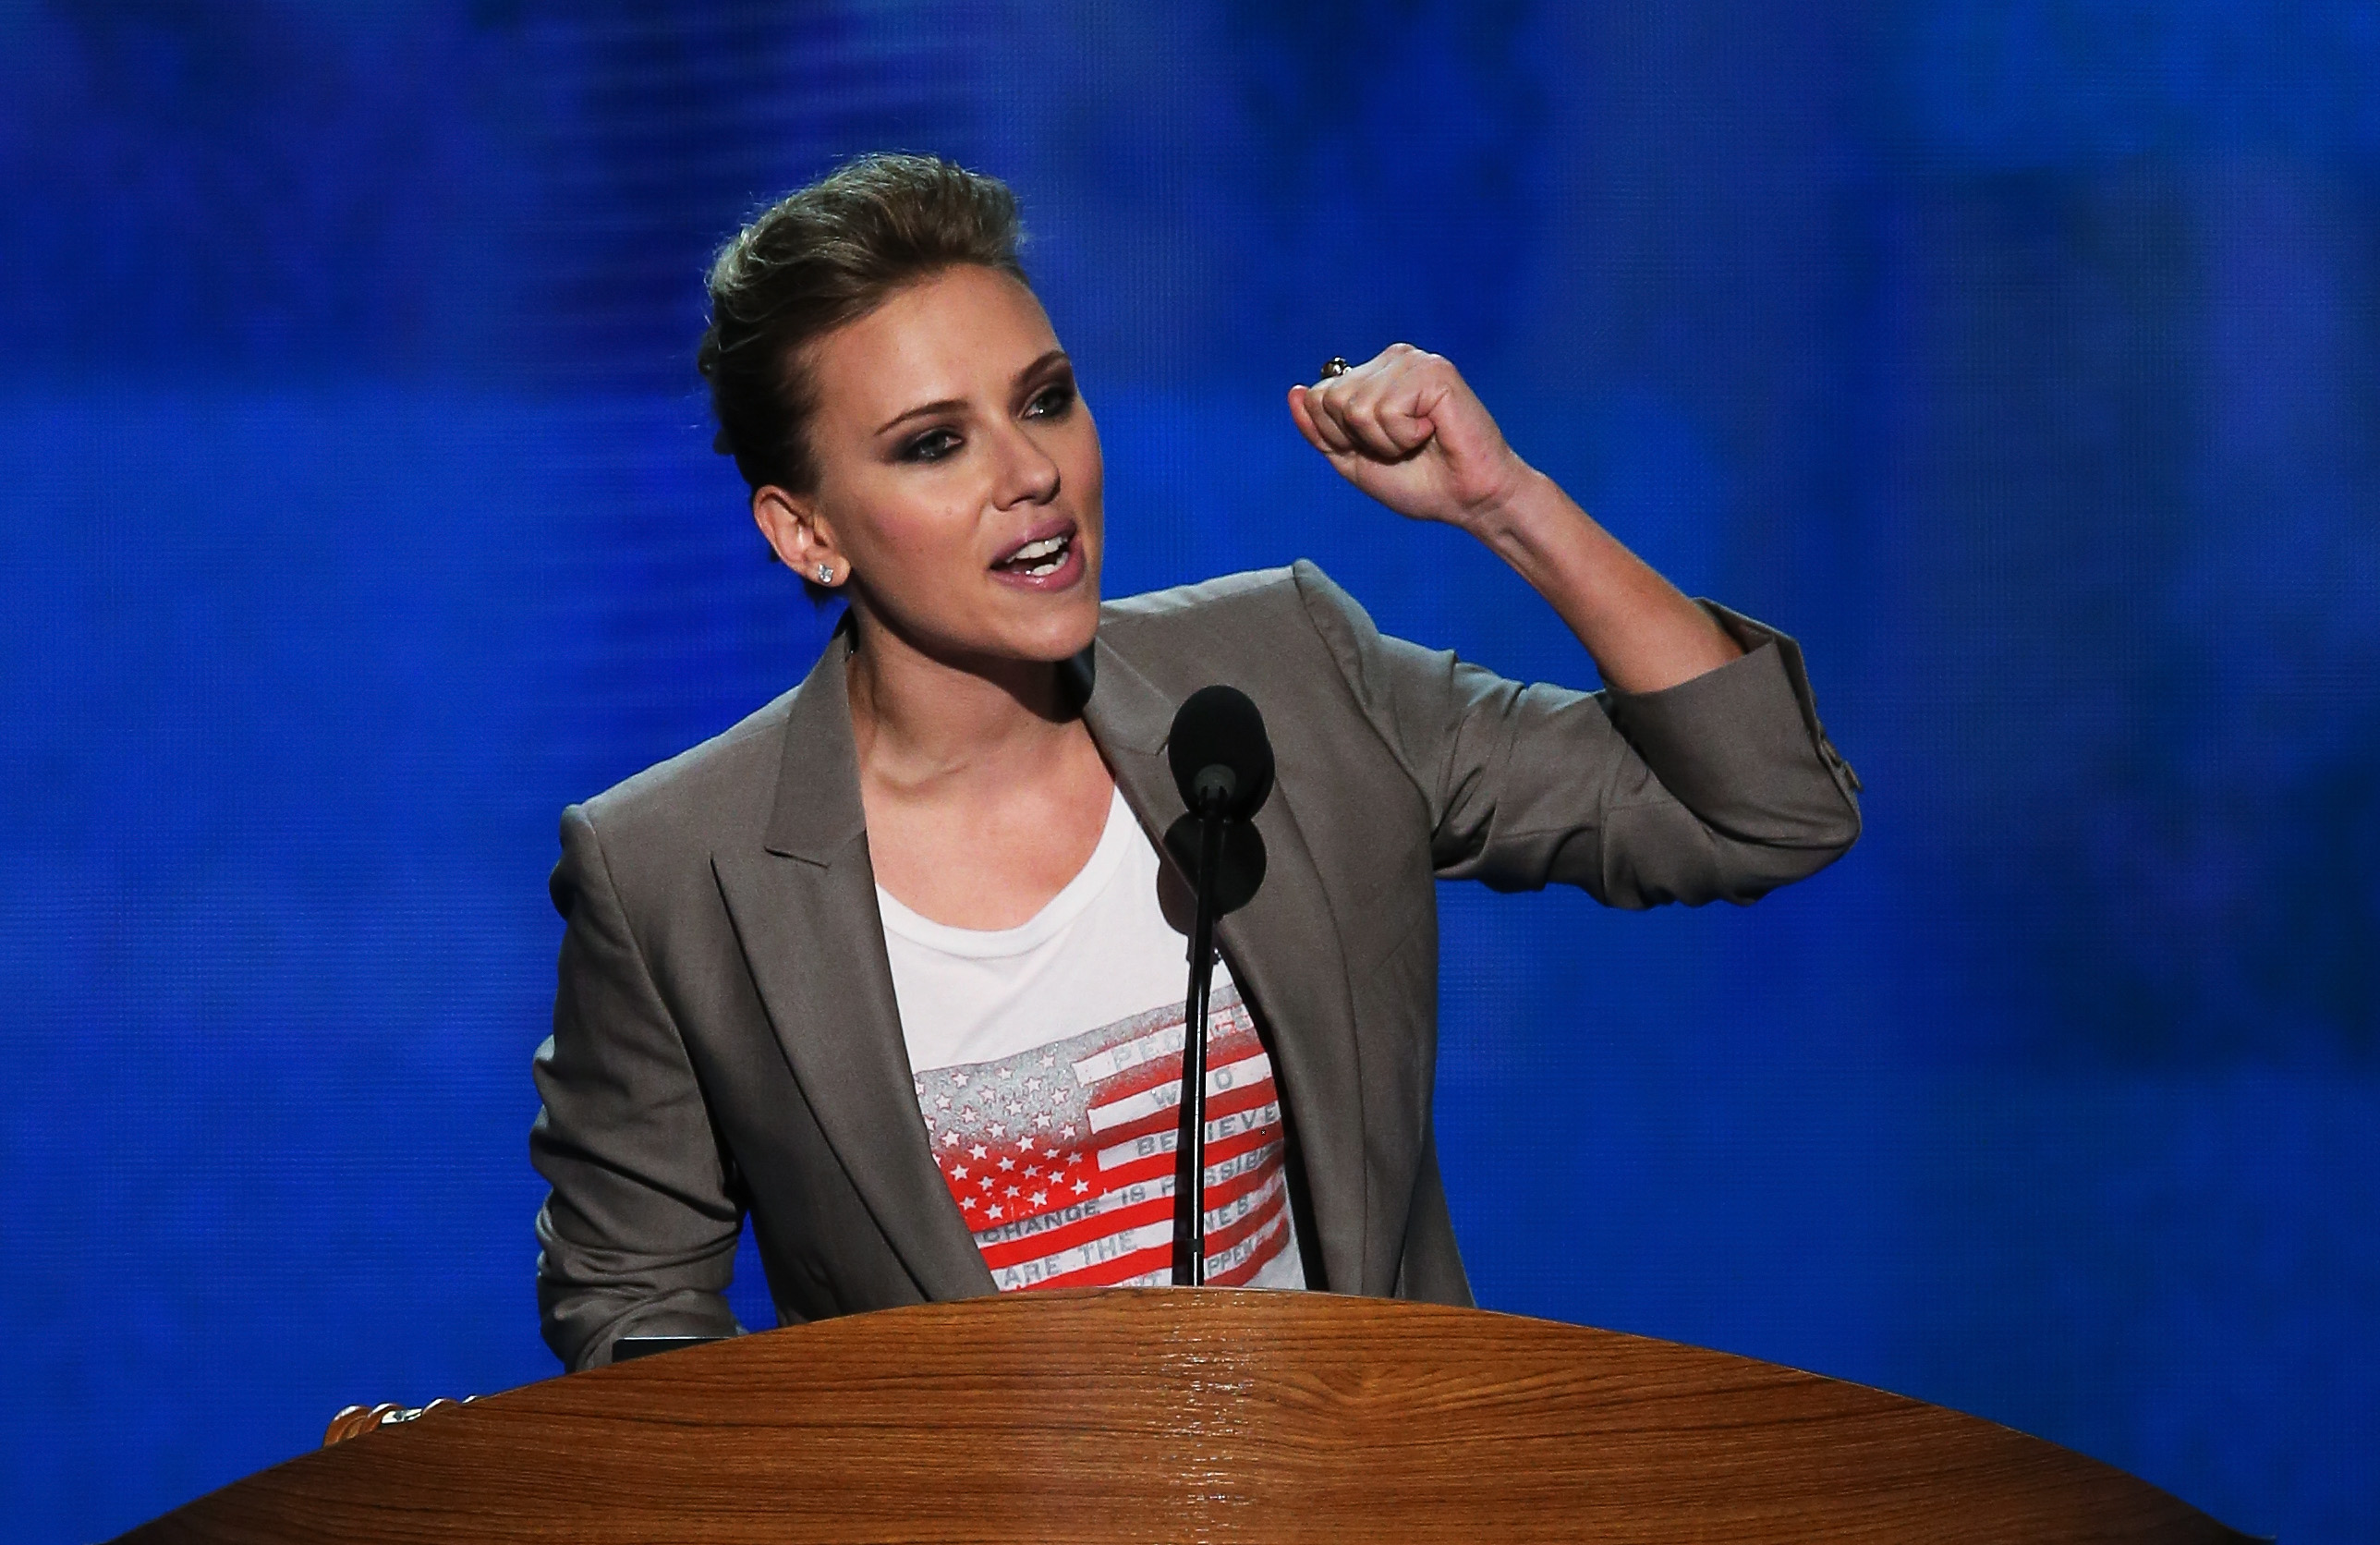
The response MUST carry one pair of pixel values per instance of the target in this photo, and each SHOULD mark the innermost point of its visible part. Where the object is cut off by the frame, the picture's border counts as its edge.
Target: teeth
(1041, 549)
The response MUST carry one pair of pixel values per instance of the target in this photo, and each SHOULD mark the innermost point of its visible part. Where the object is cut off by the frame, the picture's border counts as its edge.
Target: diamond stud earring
(826, 574)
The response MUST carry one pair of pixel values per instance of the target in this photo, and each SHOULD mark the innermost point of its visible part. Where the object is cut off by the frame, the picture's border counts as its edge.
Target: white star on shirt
(1011, 1191)
(958, 1172)
(1042, 1120)
(994, 1213)
(1048, 1059)
(951, 1140)
(942, 1103)
(999, 1129)
(1006, 1162)
(975, 1152)
(1040, 1197)
(958, 1081)
(1081, 1186)
(1067, 1133)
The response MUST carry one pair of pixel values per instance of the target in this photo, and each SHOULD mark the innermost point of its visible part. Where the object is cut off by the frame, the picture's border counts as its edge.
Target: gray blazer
(725, 1040)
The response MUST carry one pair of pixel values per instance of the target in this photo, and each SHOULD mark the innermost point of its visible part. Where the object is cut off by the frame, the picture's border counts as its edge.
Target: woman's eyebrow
(1037, 376)
(1056, 356)
(944, 405)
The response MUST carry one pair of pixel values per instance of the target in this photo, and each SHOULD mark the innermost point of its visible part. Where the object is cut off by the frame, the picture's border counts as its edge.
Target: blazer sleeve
(639, 1231)
(1721, 788)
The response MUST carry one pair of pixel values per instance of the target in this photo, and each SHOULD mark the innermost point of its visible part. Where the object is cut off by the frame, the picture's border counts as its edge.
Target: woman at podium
(893, 968)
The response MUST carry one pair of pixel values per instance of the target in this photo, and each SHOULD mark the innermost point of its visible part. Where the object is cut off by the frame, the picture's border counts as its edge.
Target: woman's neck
(924, 723)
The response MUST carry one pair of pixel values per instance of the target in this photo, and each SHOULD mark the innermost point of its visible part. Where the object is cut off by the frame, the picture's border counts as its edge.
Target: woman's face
(958, 472)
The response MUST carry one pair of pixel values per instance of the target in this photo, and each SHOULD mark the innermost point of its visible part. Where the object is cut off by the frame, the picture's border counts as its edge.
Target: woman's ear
(796, 532)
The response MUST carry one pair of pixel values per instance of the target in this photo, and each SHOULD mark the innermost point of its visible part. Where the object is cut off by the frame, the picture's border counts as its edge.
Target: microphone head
(1219, 751)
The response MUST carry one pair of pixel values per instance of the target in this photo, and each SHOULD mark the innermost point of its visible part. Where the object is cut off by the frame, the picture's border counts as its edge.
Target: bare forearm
(1643, 633)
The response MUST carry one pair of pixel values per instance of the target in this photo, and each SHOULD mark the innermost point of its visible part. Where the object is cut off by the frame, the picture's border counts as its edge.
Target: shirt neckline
(1056, 914)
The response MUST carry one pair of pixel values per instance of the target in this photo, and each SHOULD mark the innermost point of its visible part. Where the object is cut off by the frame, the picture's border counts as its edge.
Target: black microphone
(1222, 763)
(1220, 753)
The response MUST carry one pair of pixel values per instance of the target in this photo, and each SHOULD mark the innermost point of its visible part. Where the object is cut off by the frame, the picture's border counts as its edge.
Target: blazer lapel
(803, 906)
(1283, 948)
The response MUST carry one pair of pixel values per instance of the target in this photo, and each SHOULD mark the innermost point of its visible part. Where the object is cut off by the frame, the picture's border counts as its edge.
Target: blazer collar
(816, 813)
(804, 914)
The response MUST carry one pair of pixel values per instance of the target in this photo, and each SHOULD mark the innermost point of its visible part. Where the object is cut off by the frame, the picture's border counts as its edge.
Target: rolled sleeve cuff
(1740, 745)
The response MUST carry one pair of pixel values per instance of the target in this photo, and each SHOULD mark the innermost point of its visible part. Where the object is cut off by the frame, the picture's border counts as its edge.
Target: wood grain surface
(1179, 1414)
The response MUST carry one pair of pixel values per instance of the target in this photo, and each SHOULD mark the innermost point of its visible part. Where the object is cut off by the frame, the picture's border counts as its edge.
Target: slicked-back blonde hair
(818, 258)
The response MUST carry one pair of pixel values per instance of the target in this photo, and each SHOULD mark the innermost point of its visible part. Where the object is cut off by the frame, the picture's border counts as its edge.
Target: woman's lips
(1046, 561)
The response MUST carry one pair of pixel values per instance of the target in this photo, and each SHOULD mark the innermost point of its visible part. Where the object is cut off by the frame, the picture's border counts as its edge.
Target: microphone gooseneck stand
(1222, 764)
(1190, 1144)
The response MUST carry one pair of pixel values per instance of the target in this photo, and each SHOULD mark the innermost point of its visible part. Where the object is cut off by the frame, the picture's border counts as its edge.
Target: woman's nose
(1027, 474)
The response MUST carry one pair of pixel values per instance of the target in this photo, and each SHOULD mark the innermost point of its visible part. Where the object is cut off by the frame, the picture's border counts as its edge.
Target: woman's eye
(933, 445)
(1051, 403)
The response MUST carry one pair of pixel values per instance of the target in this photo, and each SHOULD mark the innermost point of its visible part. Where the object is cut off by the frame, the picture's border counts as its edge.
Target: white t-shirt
(1049, 1071)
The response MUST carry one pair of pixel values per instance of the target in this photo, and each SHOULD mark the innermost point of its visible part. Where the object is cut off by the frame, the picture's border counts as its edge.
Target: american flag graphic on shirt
(1062, 1158)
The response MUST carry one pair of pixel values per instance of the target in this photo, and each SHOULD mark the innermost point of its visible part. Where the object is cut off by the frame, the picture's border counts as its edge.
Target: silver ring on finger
(1334, 367)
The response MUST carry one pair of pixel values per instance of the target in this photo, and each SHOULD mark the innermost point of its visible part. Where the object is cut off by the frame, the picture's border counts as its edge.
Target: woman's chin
(1053, 624)
(1063, 633)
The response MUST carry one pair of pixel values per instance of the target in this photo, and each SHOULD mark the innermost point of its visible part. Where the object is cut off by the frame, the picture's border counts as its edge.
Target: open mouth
(1041, 557)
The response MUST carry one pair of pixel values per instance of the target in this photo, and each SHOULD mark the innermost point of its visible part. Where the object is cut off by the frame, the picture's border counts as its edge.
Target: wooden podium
(1178, 1415)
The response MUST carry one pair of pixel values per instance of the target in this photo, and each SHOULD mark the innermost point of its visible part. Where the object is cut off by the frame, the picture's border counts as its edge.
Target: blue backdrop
(2023, 358)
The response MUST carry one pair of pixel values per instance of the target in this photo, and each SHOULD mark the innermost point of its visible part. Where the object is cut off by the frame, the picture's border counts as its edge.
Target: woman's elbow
(1789, 844)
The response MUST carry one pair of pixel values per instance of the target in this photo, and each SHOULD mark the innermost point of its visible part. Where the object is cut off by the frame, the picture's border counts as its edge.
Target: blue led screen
(2021, 360)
